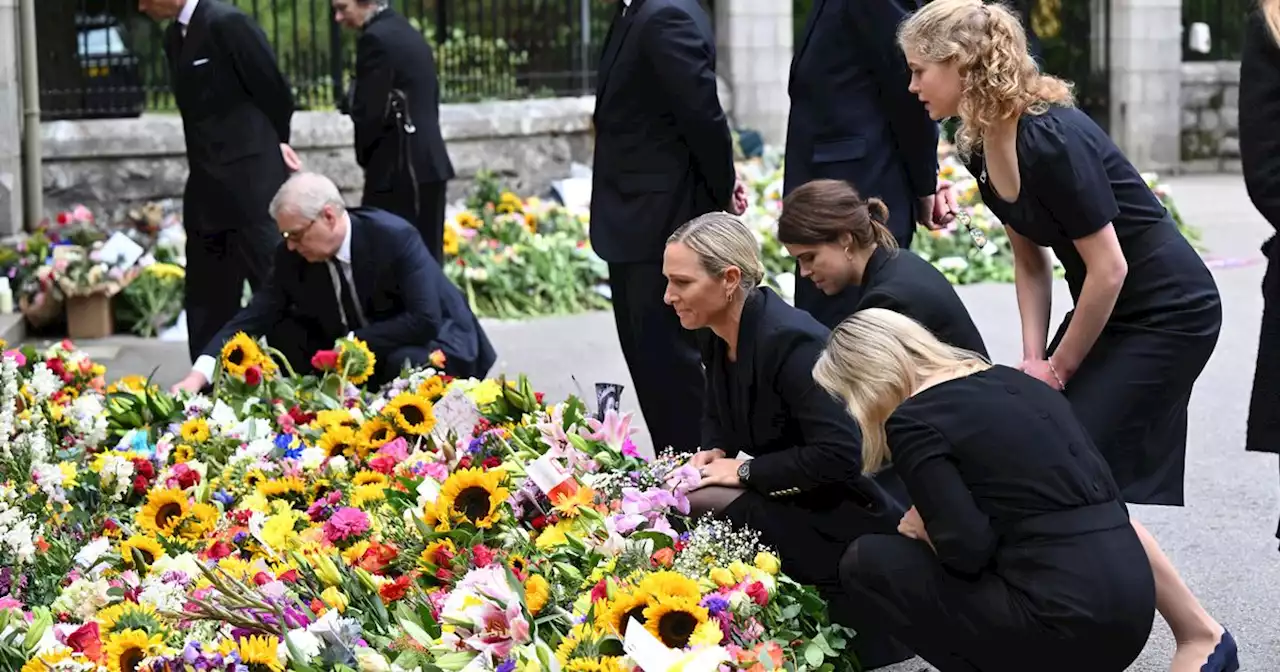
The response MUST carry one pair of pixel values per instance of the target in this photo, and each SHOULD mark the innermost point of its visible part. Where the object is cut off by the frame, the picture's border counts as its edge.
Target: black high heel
(1225, 656)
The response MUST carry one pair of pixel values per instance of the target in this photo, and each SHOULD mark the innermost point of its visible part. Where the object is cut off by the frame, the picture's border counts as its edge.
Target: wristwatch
(744, 471)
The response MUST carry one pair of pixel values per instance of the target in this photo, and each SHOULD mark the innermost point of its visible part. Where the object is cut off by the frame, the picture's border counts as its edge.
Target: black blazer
(852, 117)
(901, 281)
(804, 444)
(387, 40)
(236, 108)
(663, 151)
(405, 296)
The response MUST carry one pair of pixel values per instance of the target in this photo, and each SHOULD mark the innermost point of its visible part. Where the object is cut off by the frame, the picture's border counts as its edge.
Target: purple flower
(507, 665)
(226, 498)
(715, 604)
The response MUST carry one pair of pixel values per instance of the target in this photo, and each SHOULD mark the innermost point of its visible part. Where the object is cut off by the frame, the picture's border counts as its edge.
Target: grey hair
(721, 240)
(306, 194)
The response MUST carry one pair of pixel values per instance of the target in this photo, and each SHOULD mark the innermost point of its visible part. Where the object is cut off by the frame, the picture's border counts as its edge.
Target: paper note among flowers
(456, 413)
(651, 655)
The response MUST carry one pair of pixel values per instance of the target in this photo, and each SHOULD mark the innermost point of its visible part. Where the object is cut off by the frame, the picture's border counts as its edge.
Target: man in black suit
(406, 166)
(236, 108)
(362, 271)
(663, 155)
(853, 119)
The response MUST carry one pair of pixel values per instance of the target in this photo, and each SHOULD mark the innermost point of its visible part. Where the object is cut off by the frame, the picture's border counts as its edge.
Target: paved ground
(1222, 540)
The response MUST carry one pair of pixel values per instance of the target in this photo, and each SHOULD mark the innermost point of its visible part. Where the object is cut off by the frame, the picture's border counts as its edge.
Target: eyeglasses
(978, 235)
(297, 233)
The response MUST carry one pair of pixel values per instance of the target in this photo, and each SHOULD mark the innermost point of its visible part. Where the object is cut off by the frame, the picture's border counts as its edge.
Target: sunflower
(362, 495)
(356, 360)
(518, 564)
(614, 615)
(339, 440)
(450, 240)
(163, 510)
(376, 432)
(195, 430)
(537, 592)
(129, 616)
(670, 584)
(124, 650)
(467, 220)
(432, 388)
(412, 414)
(437, 553)
(240, 354)
(473, 495)
(706, 634)
(674, 620)
(332, 417)
(183, 453)
(283, 487)
(149, 548)
(258, 652)
(596, 664)
(370, 477)
(199, 523)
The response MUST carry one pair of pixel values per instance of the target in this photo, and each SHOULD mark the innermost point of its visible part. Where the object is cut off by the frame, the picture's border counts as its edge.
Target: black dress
(806, 495)
(901, 281)
(1260, 155)
(1037, 566)
(1132, 389)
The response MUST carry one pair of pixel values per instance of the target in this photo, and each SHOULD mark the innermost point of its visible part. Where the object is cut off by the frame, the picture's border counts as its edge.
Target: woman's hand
(1043, 371)
(945, 205)
(704, 457)
(912, 526)
(721, 471)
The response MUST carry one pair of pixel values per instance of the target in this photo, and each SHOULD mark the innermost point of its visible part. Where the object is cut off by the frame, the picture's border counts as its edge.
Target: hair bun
(878, 211)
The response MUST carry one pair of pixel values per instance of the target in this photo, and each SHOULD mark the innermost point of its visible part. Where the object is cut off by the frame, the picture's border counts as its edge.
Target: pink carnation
(346, 523)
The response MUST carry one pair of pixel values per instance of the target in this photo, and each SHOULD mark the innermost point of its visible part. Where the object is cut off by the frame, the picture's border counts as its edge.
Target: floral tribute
(306, 523)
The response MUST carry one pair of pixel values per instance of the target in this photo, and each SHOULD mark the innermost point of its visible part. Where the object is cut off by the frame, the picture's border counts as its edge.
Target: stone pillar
(1146, 81)
(753, 48)
(11, 217)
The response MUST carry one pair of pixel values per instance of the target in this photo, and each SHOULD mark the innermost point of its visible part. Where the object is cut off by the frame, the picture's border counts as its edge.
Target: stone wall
(114, 163)
(1210, 116)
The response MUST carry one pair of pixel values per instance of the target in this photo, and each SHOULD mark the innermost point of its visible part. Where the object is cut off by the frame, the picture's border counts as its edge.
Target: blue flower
(226, 498)
(507, 665)
(715, 604)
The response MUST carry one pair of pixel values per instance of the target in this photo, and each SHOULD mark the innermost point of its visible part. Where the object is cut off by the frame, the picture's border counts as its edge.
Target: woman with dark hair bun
(841, 239)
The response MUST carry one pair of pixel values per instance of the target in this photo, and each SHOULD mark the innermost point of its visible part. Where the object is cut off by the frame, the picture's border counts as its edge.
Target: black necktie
(351, 313)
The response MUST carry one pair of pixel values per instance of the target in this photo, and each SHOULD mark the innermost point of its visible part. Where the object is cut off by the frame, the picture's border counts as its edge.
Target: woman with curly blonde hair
(1147, 312)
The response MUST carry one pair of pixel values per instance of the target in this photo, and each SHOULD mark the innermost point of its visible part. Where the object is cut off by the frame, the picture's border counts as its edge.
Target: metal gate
(1074, 43)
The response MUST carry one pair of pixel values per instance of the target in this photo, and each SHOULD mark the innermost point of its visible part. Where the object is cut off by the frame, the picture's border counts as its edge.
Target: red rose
(87, 641)
(253, 375)
(144, 468)
(481, 555)
(537, 396)
(188, 477)
(261, 579)
(491, 462)
(756, 591)
(219, 550)
(64, 218)
(109, 525)
(538, 522)
(465, 462)
(395, 590)
(139, 484)
(601, 591)
(290, 576)
(325, 360)
(383, 464)
(300, 417)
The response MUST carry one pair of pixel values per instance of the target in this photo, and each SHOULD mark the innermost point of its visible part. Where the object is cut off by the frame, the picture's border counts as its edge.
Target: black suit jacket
(899, 280)
(852, 117)
(392, 54)
(805, 445)
(405, 296)
(663, 150)
(236, 108)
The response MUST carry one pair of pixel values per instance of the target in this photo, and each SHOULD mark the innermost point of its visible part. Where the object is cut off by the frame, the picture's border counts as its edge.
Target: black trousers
(662, 357)
(1087, 604)
(429, 217)
(218, 264)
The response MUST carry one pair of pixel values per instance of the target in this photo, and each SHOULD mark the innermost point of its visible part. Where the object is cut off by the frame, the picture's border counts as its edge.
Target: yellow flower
(339, 440)
(195, 430)
(129, 616)
(601, 664)
(614, 615)
(278, 530)
(163, 510)
(431, 388)
(330, 418)
(673, 620)
(369, 493)
(467, 220)
(356, 360)
(124, 650)
(411, 413)
(326, 570)
(376, 432)
(473, 495)
(767, 562)
(334, 599)
(537, 592)
(707, 633)
(167, 271)
(183, 453)
(670, 584)
(450, 240)
(554, 535)
(259, 652)
(283, 487)
(722, 577)
(51, 660)
(240, 354)
(437, 553)
(568, 505)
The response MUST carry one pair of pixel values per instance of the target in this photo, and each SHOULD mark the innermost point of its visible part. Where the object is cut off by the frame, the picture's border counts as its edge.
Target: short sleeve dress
(1132, 389)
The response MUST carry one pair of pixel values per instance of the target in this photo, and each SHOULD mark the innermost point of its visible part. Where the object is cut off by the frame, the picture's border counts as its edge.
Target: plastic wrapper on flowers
(290, 522)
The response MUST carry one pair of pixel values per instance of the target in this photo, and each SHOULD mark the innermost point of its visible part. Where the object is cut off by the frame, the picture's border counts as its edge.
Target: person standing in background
(853, 119)
(663, 156)
(236, 109)
(396, 112)
(1260, 156)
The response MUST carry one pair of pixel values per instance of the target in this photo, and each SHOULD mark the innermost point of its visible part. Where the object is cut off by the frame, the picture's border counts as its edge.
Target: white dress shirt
(184, 16)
